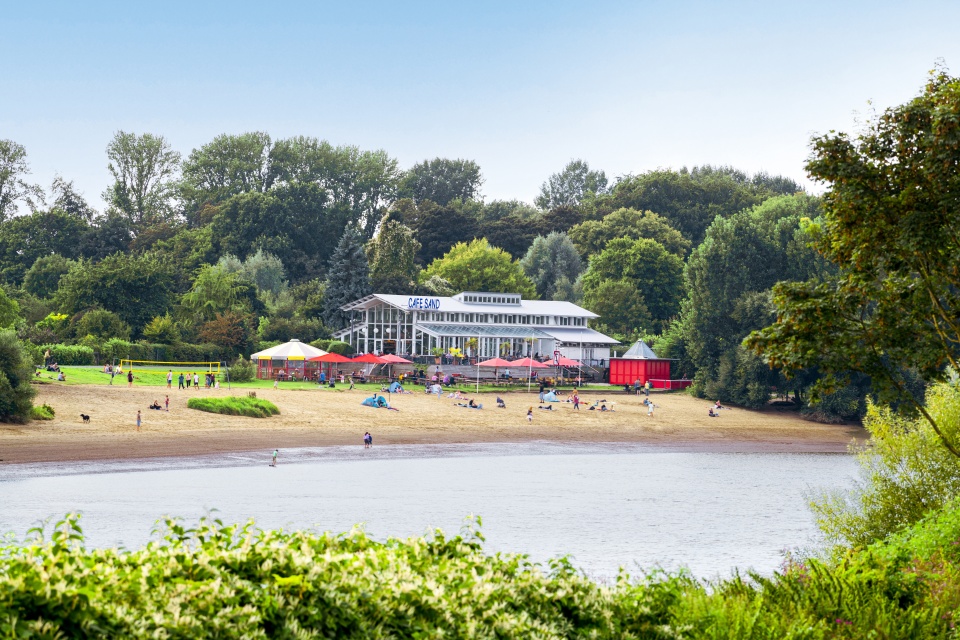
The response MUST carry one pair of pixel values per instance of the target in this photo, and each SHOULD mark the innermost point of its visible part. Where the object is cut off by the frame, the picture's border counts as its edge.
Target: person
(500, 403)
(276, 382)
(712, 413)
(156, 405)
(112, 373)
(646, 388)
(276, 452)
(650, 408)
(636, 386)
(507, 374)
(351, 384)
(138, 420)
(472, 404)
(169, 378)
(719, 406)
(576, 401)
(189, 380)
(530, 414)
(61, 377)
(167, 403)
(130, 378)
(323, 378)
(196, 381)
(180, 381)
(367, 440)
(541, 392)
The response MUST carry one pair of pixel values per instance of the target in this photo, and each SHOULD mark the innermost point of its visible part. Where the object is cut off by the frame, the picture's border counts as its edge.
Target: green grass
(235, 406)
(42, 412)
(77, 375)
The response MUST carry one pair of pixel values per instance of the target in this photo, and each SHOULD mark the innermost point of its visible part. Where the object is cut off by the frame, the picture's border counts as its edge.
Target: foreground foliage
(235, 406)
(231, 582)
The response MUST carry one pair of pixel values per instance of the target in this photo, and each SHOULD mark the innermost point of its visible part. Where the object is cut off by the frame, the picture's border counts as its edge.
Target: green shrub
(242, 370)
(321, 344)
(235, 406)
(16, 371)
(71, 355)
(42, 412)
(337, 346)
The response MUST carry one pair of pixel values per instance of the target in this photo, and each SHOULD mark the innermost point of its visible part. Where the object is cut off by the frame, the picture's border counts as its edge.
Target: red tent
(369, 358)
(529, 363)
(394, 359)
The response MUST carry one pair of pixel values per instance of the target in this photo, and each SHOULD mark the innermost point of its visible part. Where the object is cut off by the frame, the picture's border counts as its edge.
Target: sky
(521, 88)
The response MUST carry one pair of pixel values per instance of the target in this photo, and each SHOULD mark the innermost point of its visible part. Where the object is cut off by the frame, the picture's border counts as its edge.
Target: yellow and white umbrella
(293, 350)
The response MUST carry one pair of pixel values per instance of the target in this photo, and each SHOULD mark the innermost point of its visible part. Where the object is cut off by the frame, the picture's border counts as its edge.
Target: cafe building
(480, 324)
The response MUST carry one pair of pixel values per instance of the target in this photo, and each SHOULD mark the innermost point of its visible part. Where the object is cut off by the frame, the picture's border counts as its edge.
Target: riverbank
(328, 417)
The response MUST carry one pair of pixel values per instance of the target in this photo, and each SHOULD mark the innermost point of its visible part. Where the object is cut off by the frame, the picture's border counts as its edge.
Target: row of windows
(501, 318)
(492, 299)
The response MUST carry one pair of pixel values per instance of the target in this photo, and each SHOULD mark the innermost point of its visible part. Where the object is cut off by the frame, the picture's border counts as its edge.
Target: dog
(85, 417)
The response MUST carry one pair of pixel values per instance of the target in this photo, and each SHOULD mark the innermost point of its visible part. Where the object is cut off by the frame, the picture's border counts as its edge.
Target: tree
(13, 187)
(571, 186)
(890, 226)
(162, 330)
(16, 371)
(136, 288)
(43, 278)
(591, 236)
(622, 311)
(437, 228)
(476, 266)
(644, 263)
(103, 325)
(107, 235)
(690, 198)
(66, 199)
(442, 180)
(360, 184)
(347, 279)
(227, 166)
(24, 239)
(729, 278)
(230, 330)
(264, 270)
(500, 209)
(548, 260)
(392, 257)
(9, 310)
(144, 169)
(215, 290)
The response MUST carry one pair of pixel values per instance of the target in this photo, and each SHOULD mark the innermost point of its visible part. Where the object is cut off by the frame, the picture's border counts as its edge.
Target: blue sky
(520, 87)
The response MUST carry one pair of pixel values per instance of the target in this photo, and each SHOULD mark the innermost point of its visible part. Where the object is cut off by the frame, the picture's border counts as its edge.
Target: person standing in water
(276, 452)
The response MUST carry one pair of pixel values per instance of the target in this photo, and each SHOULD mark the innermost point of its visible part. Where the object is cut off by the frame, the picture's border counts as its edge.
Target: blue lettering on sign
(431, 304)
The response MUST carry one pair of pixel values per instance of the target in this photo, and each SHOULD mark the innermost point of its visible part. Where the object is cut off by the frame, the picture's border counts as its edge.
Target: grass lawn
(235, 406)
(80, 375)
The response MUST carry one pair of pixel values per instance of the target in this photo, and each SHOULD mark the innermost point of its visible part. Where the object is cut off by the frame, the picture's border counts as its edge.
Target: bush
(321, 344)
(43, 412)
(102, 324)
(16, 371)
(72, 355)
(235, 406)
(242, 370)
(342, 348)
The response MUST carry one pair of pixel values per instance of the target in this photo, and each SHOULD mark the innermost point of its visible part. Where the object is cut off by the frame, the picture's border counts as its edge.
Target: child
(530, 414)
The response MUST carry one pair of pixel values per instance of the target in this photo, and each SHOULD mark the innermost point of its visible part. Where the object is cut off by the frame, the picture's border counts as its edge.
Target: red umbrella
(331, 357)
(369, 358)
(529, 363)
(394, 359)
(564, 361)
(495, 362)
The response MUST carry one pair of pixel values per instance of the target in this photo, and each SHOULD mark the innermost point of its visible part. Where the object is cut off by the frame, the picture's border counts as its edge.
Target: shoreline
(333, 418)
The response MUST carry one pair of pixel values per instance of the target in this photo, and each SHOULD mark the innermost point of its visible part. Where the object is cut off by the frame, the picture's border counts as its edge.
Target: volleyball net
(161, 368)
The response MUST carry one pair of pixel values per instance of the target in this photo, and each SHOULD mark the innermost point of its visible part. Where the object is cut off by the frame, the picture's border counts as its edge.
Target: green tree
(437, 228)
(264, 270)
(144, 169)
(215, 290)
(621, 308)
(43, 278)
(25, 239)
(107, 235)
(500, 209)
(442, 180)
(645, 264)
(227, 166)
(136, 288)
(729, 278)
(476, 266)
(13, 186)
(571, 186)
(162, 330)
(890, 226)
(103, 325)
(591, 236)
(16, 371)
(66, 199)
(549, 260)
(9, 310)
(690, 198)
(348, 278)
(392, 255)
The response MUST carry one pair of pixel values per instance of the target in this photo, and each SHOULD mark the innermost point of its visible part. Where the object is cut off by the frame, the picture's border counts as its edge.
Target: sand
(324, 417)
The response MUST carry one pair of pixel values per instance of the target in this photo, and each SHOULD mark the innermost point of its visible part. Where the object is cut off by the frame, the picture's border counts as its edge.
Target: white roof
(640, 351)
(574, 335)
(446, 304)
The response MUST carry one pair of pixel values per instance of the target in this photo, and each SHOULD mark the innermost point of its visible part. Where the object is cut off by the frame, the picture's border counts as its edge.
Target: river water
(606, 506)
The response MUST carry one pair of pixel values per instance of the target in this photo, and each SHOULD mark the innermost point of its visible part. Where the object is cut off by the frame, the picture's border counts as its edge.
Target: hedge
(69, 354)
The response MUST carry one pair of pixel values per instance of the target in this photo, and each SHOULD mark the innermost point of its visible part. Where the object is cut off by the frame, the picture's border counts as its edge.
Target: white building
(502, 324)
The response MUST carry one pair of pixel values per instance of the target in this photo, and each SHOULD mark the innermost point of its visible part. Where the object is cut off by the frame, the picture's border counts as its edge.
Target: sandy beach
(324, 417)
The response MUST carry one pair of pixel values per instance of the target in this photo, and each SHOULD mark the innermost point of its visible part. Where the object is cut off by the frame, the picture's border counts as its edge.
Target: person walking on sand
(167, 402)
(180, 381)
(169, 378)
(530, 414)
(576, 401)
(276, 452)
(112, 373)
(138, 420)
(196, 381)
(367, 440)
(130, 378)
(276, 382)
(650, 408)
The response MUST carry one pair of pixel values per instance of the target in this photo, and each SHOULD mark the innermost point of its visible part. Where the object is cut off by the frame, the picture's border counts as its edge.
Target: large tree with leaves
(551, 259)
(392, 255)
(476, 266)
(571, 186)
(14, 187)
(892, 227)
(227, 166)
(16, 371)
(145, 170)
(347, 278)
(591, 236)
(441, 180)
